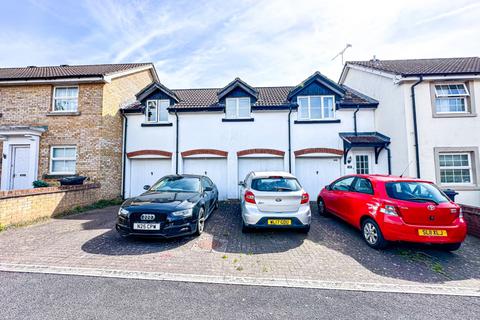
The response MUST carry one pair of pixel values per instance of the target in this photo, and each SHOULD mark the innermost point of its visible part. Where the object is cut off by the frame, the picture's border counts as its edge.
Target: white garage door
(246, 165)
(147, 172)
(315, 173)
(214, 168)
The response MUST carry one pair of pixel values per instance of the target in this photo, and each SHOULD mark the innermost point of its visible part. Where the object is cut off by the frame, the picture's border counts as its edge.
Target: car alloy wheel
(322, 210)
(200, 222)
(370, 233)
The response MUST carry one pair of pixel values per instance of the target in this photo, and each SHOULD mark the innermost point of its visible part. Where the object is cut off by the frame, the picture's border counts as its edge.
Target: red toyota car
(389, 208)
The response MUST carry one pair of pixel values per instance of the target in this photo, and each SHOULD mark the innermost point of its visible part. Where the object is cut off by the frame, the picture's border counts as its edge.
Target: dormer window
(237, 108)
(157, 111)
(451, 98)
(316, 107)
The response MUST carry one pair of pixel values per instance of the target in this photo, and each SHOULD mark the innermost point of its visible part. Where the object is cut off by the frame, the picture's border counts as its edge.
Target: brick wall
(96, 131)
(22, 206)
(472, 217)
(115, 94)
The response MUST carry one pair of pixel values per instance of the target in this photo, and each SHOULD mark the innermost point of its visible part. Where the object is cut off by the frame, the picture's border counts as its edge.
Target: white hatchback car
(274, 200)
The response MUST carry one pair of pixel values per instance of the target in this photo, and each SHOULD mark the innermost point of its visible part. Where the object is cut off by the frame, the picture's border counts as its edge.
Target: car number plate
(146, 226)
(432, 233)
(279, 222)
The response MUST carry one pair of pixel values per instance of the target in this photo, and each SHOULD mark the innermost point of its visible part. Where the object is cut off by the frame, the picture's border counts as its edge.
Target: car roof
(264, 174)
(186, 175)
(389, 178)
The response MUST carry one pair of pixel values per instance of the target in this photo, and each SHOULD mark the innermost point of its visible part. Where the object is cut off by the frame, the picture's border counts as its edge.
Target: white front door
(19, 168)
(214, 168)
(147, 172)
(315, 173)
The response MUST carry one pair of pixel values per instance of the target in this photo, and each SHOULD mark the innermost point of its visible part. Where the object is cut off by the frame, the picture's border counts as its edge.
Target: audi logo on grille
(146, 216)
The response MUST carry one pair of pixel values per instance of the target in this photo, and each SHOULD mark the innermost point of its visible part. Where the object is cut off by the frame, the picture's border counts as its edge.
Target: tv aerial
(341, 53)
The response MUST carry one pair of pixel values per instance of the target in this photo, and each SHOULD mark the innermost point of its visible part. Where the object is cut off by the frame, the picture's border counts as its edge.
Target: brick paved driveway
(333, 251)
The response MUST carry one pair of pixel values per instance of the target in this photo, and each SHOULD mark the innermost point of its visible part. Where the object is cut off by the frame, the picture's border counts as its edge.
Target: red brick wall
(472, 217)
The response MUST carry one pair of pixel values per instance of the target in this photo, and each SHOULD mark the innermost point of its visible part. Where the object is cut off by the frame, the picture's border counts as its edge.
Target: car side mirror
(146, 187)
(242, 184)
(208, 189)
(328, 188)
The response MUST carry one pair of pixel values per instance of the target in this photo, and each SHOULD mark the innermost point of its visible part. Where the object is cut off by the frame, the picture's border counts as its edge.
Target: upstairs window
(237, 108)
(65, 99)
(157, 111)
(316, 108)
(451, 98)
(455, 168)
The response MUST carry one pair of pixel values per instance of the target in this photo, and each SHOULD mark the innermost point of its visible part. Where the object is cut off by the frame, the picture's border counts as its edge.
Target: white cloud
(277, 42)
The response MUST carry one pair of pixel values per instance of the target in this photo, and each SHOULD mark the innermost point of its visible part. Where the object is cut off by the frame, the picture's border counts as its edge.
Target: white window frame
(463, 96)
(54, 98)
(322, 103)
(469, 167)
(158, 102)
(367, 162)
(237, 108)
(62, 158)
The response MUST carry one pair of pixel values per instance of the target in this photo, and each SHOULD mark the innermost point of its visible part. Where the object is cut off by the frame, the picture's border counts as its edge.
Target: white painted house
(318, 130)
(429, 108)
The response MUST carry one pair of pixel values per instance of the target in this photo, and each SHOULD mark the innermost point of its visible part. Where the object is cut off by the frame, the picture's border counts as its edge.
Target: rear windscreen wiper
(284, 189)
(426, 199)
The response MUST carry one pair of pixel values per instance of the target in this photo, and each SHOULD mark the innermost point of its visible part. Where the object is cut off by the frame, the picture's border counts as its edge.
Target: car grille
(159, 217)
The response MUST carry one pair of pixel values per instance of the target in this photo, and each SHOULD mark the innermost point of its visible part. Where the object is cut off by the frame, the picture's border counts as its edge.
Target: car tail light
(305, 198)
(390, 209)
(249, 197)
(460, 213)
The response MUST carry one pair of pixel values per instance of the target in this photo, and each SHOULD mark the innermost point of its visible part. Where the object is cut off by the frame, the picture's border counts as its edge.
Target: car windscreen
(177, 184)
(277, 184)
(415, 191)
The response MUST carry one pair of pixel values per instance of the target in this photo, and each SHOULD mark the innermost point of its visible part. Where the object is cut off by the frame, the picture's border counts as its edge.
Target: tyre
(304, 230)
(373, 235)
(450, 246)
(245, 228)
(322, 209)
(200, 222)
(216, 205)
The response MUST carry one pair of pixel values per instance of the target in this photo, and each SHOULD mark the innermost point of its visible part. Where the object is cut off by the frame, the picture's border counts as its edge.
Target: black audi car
(176, 205)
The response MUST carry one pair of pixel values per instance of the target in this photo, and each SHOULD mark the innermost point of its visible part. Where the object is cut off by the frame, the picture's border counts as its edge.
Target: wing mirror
(208, 189)
(242, 184)
(146, 187)
(328, 188)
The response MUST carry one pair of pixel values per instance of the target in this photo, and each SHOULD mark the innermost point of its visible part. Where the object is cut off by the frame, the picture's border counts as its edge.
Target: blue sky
(208, 43)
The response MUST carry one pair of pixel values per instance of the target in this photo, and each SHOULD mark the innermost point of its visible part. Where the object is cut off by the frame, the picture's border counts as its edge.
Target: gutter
(176, 142)
(289, 140)
(415, 127)
(124, 153)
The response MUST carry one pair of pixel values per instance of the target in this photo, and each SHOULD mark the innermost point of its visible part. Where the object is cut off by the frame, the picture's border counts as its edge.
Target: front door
(19, 169)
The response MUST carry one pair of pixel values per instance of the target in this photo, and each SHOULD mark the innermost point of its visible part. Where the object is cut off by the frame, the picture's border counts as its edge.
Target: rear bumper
(255, 218)
(394, 229)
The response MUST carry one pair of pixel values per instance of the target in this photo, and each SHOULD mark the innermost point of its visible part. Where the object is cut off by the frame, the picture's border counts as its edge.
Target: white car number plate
(146, 226)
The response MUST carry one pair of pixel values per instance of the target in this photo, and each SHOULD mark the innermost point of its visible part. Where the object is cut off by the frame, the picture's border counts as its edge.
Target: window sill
(238, 120)
(164, 124)
(58, 176)
(459, 187)
(454, 115)
(58, 113)
(316, 121)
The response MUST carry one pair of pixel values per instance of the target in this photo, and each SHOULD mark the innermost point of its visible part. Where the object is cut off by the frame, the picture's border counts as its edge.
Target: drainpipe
(355, 119)
(289, 141)
(389, 160)
(124, 152)
(415, 128)
(176, 142)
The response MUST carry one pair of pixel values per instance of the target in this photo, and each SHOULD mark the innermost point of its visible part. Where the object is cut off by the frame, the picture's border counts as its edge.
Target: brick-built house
(64, 120)
(430, 110)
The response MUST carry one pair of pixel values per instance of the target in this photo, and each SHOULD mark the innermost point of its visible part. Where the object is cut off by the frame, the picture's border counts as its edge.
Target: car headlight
(183, 213)
(123, 212)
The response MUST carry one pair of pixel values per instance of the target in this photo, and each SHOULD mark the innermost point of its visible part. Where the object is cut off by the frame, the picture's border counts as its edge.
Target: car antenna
(408, 166)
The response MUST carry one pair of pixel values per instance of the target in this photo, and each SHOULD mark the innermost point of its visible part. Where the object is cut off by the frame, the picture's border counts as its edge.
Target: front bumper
(394, 229)
(168, 229)
(253, 217)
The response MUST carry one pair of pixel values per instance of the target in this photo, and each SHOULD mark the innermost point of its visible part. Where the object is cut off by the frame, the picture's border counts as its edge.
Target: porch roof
(364, 139)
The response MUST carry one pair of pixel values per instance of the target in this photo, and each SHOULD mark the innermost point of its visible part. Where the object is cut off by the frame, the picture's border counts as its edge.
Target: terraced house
(318, 130)
(430, 110)
(63, 120)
